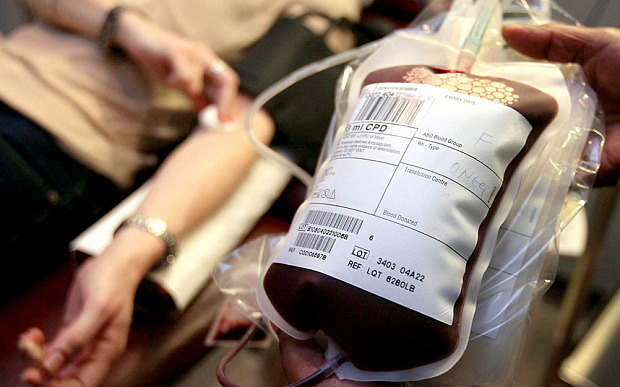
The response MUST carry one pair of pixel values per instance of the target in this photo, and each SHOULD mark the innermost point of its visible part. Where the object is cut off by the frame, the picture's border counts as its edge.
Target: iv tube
(289, 80)
(469, 50)
(473, 41)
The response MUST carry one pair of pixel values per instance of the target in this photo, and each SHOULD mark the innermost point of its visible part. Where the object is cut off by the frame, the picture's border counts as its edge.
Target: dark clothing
(46, 199)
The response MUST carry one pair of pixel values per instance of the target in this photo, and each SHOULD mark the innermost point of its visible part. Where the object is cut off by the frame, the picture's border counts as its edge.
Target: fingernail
(54, 362)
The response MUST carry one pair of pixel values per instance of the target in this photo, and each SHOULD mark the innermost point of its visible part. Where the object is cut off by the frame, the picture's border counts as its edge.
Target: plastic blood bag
(386, 255)
(390, 237)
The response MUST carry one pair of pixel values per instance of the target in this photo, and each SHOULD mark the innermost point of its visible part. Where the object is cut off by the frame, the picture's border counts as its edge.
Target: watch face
(156, 226)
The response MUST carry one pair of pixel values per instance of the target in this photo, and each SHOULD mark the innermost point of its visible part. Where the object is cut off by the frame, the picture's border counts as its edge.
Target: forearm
(84, 17)
(192, 183)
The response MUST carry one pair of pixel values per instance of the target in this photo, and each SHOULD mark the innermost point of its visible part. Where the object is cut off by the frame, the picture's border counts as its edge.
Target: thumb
(70, 341)
(559, 43)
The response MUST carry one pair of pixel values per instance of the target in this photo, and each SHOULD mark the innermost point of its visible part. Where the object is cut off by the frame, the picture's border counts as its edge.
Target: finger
(597, 50)
(33, 376)
(31, 344)
(35, 335)
(558, 43)
(92, 369)
(70, 341)
(184, 69)
(184, 75)
(224, 88)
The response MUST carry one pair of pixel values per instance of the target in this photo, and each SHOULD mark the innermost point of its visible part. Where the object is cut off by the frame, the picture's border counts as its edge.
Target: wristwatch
(158, 228)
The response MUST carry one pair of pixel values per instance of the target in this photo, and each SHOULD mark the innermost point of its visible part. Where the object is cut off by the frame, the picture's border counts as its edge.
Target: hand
(188, 65)
(301, 358)
(95, 328)
(597, 50)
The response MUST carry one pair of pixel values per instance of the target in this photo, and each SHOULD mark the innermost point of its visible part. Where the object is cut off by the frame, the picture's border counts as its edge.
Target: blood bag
(432, 167)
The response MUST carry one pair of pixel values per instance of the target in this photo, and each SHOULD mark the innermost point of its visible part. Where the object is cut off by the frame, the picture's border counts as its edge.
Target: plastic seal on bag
(429, 226)
(237, 275)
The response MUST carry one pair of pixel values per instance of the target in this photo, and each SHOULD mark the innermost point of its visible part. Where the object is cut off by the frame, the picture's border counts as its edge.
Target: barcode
(314, 242)
(400, 109)
(334, 220)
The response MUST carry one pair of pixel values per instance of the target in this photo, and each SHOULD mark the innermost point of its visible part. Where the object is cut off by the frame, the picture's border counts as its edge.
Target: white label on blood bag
(397, 210)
